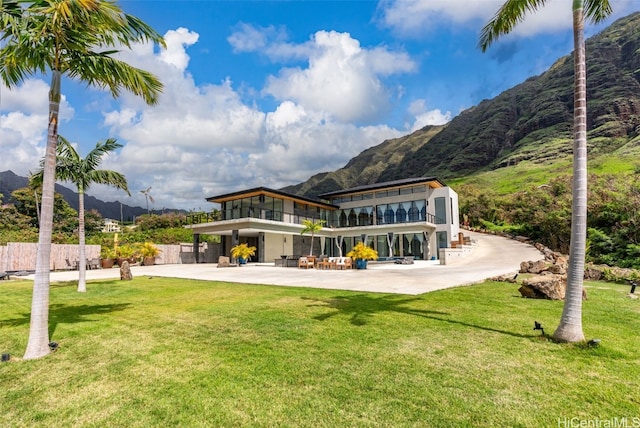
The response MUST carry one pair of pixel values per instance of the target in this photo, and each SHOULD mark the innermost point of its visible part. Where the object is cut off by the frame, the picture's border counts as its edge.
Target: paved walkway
(492, 256)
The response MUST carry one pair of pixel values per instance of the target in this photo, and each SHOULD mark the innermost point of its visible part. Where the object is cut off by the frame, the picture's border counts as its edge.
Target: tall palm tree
(76, 38)
(313, 227)
(148, 197)
(511, 13)
(83, 172)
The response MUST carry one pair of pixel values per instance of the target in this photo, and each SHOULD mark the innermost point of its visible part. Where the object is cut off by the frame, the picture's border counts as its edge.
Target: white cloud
(23, 125)
(414, 18)
(342, 79)
(204, 139)
(424, 117)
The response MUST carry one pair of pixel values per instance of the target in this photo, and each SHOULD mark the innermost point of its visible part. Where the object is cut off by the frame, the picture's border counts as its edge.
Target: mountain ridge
(9, 181)
(531, 121)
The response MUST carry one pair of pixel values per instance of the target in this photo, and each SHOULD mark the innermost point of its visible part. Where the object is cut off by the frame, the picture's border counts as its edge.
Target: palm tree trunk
(311, 248)
(38, 343)
(570, 328)
(82, 284)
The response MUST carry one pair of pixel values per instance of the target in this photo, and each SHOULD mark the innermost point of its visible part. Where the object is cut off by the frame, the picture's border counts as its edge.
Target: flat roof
(268, 192)
(432, 181)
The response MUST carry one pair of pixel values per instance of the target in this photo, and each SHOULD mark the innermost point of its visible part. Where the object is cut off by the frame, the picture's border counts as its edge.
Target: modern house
(410, 217)
(111, 226)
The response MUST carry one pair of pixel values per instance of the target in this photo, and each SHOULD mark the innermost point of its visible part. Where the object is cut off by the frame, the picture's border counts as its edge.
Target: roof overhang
(257, 191)
(254, 226)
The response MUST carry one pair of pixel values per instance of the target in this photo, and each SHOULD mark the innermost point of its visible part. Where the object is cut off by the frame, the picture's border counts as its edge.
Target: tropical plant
(107, 253)
(362, 252)
(511, 13)
(83, 172)
(148, 249)
(243, 251)
(127, 252)
(313, 227)
(74, 38)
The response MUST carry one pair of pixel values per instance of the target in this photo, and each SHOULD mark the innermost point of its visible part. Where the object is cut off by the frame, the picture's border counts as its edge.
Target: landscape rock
(533, 266)
(551, 287)
(224, 261)
(125, 272)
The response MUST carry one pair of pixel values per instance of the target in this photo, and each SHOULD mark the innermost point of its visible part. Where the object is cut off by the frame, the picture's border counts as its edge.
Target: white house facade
(411, 217)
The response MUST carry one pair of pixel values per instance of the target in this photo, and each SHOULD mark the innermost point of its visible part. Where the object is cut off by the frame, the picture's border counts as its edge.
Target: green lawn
(169, 352)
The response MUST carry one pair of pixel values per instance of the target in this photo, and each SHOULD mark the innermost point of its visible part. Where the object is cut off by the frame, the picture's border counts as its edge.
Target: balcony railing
(287, 217)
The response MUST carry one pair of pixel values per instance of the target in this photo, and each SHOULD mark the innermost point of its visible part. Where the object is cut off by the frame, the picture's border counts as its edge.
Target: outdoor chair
(304, 262)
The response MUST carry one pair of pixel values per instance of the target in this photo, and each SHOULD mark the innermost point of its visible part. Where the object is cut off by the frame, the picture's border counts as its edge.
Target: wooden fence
(21, 256)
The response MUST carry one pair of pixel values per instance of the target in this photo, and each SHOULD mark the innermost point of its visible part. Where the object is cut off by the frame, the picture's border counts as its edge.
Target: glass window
(381, 194)
(367, 196)
(414, 212)
(441, 210)
(401, 214)
(406, 191)
(419, 189)
(353, 218)
(389, 215)
(380, 214)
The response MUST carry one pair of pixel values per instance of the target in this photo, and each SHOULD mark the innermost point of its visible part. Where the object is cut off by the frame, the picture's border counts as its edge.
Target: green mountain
(529, 124)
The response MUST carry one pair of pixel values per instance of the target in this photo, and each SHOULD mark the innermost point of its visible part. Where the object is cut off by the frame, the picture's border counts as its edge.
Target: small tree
(313, 227)
(83, 172)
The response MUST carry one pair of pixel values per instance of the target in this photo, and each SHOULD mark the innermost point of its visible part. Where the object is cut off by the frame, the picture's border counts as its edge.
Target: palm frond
(508, 16)
(597, 10)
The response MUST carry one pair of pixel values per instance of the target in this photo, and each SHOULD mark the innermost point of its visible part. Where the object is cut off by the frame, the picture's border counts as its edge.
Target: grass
(158, 351)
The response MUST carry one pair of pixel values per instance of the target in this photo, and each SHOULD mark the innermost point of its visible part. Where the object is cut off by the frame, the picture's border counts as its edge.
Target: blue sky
(264, 93)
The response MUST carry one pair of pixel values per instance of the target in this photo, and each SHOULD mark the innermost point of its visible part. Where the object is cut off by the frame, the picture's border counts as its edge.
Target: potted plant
(124, 253)
(242, 252)
(361, 253)
(148, 251)
(107, 256)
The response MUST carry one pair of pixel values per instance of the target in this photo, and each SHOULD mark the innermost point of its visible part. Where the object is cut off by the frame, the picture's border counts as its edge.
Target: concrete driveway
(492, 256)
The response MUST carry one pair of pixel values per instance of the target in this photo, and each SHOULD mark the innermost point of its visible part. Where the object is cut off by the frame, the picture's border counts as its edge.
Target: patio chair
(304, 262)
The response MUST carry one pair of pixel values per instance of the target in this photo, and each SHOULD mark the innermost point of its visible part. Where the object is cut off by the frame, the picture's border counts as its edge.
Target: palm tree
(148, 197)
(76, 38)
(511, 13)
(313, 227)
(83, 172)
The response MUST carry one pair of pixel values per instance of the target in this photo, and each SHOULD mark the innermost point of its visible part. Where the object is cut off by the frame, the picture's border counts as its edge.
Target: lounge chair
(304, 262)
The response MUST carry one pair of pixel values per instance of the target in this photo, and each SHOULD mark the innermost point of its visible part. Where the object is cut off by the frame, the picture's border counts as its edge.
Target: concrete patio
(492, 256)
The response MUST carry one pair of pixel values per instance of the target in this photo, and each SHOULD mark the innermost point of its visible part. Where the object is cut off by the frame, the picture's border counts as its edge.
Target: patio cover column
(235, 238)
(196, 247)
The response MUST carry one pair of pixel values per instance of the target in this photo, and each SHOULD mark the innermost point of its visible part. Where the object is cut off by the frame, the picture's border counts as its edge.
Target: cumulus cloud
(23, 124)
(204, 139)
(414, 18)
(208, 138)
(341, 78)
(424, 117)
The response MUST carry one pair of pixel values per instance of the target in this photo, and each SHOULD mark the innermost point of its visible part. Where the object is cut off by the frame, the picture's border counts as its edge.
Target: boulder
(224, 261)
(533, 267)
(550, 287)
(125, 272)
(559, 267)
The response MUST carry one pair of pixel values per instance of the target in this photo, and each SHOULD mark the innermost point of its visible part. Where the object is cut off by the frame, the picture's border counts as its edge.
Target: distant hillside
(529, 122)
(10, 182)
(367, 167)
